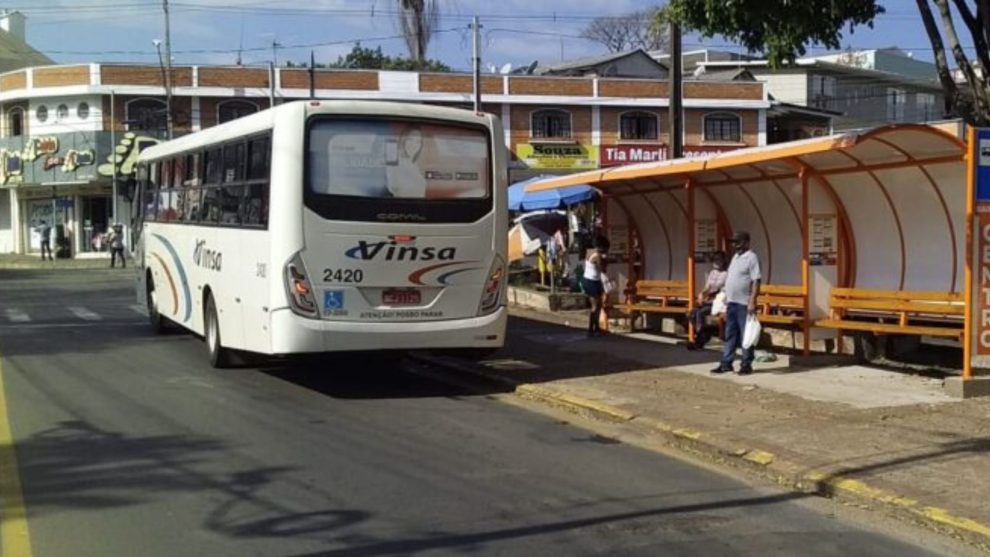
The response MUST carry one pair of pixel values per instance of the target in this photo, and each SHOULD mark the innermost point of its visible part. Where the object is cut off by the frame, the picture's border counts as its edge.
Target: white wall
(72, 122)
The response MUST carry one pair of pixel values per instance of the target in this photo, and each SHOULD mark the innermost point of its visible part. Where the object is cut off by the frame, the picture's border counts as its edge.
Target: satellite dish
(531, 67)
(506, 68)
(491, 68)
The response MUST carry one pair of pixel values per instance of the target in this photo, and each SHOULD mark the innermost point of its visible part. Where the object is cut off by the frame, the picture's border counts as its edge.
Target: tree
(373, 59)
(418, 20)
(626, 32)
(781, 29)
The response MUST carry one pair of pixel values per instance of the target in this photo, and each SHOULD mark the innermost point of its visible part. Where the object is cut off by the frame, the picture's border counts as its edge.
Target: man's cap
(740, 236)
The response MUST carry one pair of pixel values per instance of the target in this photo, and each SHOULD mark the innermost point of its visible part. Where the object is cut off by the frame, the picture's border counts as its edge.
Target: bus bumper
(292, 334)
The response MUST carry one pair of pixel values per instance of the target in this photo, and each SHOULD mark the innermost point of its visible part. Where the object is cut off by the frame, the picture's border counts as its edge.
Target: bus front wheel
(220, 357)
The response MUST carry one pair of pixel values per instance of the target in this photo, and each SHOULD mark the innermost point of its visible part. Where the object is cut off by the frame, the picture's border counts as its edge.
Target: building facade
(70, 135)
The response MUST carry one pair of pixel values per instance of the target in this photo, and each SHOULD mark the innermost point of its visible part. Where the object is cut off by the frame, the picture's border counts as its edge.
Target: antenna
(240, 42)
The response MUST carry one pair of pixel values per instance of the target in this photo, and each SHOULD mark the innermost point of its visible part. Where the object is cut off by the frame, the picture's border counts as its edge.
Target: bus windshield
(398, 159)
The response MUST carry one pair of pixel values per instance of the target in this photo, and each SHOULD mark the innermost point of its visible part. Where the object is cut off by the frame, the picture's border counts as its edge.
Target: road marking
(15, 538)
(83, 313)
(17, 316)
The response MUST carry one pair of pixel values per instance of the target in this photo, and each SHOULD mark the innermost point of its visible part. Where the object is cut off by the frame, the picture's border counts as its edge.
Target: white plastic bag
(607, 285)
(751, 334)
(718, 304)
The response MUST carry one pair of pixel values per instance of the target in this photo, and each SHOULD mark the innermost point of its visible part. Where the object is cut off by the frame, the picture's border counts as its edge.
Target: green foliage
(373, 59)
(780, 29)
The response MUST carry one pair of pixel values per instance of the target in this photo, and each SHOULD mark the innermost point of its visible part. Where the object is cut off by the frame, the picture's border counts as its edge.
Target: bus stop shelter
(882, 210)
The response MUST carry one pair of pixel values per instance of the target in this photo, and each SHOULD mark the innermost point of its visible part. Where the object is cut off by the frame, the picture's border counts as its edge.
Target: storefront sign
(823, 245)
(570, 156)
(125, 154)
(613, 155)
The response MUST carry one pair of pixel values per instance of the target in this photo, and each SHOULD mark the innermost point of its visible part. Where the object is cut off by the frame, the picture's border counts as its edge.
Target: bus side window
(190, 188)
(151, 193)
(165, 211)
(254, 209)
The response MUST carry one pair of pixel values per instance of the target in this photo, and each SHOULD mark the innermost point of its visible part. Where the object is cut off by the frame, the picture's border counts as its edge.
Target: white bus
(323, 226)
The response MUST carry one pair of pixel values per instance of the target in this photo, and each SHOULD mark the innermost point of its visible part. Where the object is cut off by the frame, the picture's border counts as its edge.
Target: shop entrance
(95, 221)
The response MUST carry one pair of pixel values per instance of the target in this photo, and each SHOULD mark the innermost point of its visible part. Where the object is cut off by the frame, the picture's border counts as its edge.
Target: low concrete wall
(535, 299)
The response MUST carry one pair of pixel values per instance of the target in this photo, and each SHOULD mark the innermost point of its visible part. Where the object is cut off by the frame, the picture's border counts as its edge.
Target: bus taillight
(492, 293)
(300, 291)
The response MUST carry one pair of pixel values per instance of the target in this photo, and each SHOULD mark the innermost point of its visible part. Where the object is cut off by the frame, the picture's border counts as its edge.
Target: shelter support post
(967, 372)
(805, 262)
(692, 287)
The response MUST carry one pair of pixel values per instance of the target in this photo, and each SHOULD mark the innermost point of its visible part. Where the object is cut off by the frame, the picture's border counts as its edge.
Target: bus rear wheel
(220, 357)
(158, 323)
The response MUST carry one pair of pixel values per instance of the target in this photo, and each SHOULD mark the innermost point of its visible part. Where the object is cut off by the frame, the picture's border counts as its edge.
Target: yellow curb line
(15, 538)
(535, 391)
(836, 484)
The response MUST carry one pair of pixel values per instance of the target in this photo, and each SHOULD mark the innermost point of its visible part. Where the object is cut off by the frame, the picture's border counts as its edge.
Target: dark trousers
(735, 324)
(702, 333)
(46, 247)
(117, 252)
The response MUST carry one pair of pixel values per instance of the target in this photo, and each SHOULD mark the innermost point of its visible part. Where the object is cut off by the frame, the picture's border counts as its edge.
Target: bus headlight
(302, 300)
(491, 296)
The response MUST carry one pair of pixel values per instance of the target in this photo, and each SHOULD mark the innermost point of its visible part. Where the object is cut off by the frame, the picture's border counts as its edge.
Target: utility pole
(113, 155)
(168, 75)
(676, 93)
(312, 75)
(477, 63)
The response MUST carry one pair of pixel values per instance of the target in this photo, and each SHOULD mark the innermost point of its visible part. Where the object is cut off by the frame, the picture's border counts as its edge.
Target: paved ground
(881, 438)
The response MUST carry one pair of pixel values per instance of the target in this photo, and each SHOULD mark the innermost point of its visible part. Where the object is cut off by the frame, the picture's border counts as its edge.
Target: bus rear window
(376, 159)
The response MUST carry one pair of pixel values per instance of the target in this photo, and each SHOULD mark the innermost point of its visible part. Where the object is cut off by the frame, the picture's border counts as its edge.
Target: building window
(42, 113)
(82, 111)
(232, 110)
(822, 91)
(15, 119)
(61, 113)
(723, 126)
(638, 125)
(551, 124)
(896, 98)
(926, 106)
(147, 115)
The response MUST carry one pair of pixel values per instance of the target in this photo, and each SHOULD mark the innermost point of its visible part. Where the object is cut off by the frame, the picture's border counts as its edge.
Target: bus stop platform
(887, 440)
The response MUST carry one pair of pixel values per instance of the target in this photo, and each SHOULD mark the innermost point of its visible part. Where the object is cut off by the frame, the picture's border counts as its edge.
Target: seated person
(714, 284)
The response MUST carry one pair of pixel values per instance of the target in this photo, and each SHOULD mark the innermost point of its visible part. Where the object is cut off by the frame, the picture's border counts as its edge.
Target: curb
(752, 460)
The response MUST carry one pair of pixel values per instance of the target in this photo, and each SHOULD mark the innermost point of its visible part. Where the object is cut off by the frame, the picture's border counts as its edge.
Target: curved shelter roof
(898, 193)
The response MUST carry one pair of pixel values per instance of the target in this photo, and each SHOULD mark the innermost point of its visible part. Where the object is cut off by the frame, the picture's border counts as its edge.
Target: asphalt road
(129, 444)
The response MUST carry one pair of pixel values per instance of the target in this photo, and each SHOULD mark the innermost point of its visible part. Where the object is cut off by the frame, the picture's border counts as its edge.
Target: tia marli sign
(613, 155)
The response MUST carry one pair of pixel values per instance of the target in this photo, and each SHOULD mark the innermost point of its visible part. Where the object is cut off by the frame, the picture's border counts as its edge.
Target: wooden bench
(898, 312)
(656, 296)
(780, 304)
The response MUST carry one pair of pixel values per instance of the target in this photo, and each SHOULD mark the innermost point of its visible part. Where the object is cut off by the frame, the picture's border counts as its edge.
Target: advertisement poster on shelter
(824, 241)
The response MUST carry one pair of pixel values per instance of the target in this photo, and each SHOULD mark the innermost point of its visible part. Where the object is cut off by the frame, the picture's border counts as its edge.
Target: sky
(515, 32)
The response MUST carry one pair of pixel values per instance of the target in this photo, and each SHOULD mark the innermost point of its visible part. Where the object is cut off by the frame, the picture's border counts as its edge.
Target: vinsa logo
(392, 251)
(207, 258)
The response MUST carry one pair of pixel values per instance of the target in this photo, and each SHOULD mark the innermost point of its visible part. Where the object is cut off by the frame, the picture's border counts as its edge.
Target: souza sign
(613, 155)
(571, 156)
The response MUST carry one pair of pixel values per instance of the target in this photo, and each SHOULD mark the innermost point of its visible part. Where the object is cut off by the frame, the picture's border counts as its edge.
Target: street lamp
(166, 83)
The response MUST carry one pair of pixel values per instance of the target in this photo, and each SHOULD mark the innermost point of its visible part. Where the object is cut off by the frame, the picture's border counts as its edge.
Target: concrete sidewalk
(94, 261)
(884, 439)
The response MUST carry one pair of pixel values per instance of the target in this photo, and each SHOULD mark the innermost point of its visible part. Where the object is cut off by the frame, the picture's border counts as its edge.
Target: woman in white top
(594, 267)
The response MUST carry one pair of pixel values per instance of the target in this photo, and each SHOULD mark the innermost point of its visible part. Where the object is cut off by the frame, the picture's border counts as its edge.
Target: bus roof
(265, 120)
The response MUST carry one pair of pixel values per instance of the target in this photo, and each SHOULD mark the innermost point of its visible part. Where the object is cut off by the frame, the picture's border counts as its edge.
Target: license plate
(400, 297)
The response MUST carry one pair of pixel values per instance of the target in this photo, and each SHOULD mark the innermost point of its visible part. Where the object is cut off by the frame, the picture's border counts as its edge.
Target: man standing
(742, 286)
(46, 241)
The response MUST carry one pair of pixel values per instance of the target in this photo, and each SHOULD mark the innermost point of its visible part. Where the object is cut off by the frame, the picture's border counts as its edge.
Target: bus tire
(220, 357)
(159, 324)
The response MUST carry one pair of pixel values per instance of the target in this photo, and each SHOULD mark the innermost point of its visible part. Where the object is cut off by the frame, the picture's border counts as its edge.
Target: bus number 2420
(343, 275)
